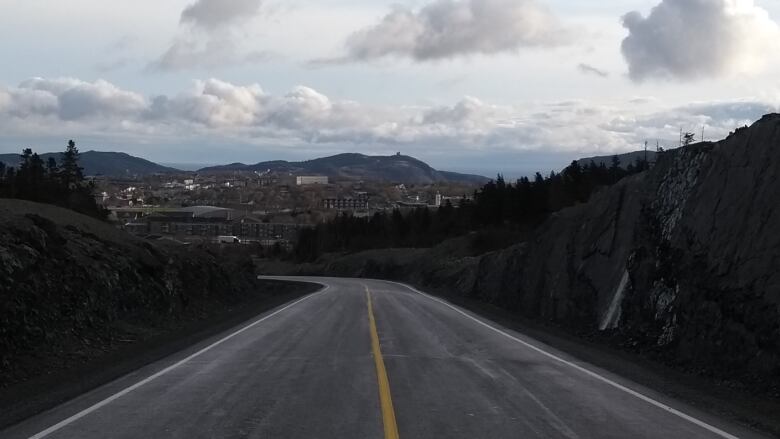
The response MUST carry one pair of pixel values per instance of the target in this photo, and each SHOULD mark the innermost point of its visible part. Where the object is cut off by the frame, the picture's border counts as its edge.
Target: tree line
(60, 183)
(499, 204)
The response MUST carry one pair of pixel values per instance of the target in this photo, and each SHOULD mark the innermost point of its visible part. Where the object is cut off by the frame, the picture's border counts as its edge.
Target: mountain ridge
(397, 168)
(108, 163)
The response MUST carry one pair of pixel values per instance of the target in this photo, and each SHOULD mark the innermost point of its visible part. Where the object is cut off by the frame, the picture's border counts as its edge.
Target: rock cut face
(684, 258)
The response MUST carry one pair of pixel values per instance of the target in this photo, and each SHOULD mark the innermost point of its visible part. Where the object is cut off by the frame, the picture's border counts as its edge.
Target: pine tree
(615, 172)
(52, 169)
(71, 173)
(10, 183)
(3, 180)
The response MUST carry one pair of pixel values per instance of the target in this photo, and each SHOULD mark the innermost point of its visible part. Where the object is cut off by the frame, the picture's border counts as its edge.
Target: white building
(309, 180)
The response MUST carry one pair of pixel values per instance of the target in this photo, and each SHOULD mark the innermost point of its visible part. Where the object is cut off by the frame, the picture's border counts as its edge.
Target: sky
(484, 86)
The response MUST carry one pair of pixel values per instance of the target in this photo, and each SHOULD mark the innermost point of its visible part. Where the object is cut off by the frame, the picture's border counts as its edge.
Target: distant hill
(396, 168)
(625, 159)
(113, 164)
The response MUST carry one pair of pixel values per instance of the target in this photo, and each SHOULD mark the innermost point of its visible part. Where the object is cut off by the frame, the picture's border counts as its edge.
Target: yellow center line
(388, 414)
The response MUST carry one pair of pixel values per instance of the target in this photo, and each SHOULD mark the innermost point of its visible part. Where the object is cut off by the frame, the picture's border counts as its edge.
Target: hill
(396, 168)
(112, 164)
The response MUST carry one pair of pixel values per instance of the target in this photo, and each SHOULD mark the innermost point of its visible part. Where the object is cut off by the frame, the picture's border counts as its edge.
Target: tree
(52, 168)
(3, 180)
(497, 206)
(615, 163)
(71, 173)
(48, 182)
(688, 138)
(31, 176)
(641, 165)
(10, 183)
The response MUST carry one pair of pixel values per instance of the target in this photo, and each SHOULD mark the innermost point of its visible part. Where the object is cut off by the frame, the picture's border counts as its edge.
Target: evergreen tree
(615, 171)
(31, 176)
(72, 174)
(52, 169)
(3, 181)
(46, 182)
(498, 205)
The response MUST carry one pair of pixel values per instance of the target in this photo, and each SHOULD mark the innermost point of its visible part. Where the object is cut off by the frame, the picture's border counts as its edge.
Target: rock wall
(683, 259)
(73, 287)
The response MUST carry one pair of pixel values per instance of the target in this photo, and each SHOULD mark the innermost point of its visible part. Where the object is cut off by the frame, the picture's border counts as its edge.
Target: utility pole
(680, 136)
(702, 133)
(646, 164)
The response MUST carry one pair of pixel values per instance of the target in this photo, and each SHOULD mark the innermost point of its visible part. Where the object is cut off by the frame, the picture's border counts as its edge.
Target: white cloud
(212, 103)
(304, 117)
(209, 36)
(717, 119)
(192, 51)
(692, 39)
(469, 117)
(453, 28)
(72, 99)
(301, 108)
(212, 14)
(5, 99)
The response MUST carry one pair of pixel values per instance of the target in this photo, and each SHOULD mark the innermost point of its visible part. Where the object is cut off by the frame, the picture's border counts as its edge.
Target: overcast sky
(480, 85)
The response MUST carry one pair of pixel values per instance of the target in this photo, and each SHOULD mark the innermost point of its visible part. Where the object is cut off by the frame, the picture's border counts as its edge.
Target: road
(371, 359)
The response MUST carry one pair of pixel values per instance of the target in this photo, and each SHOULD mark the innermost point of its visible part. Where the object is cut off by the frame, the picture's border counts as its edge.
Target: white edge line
(592, 374)
(151, 378)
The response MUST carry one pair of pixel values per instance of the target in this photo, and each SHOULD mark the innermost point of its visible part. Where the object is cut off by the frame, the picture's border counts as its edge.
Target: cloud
(72, 99)
(195, 52)
(5, 99)
(718, 119)
(209, 36)
(590, 70)
(693, 39)
(454, 28)
(305, 118)
(469, 115)
(212, 103)
(213, 14)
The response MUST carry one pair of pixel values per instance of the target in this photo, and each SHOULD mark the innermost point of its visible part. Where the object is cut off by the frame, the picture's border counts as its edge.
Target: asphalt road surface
(370, 359)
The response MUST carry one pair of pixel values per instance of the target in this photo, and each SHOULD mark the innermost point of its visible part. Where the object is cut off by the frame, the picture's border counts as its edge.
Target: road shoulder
(722, 400)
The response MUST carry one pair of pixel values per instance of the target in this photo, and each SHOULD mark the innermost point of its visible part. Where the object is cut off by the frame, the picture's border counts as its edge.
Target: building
(453, 201)
(360, 202)
(209, 223)
(310, 180)
(268, 232)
